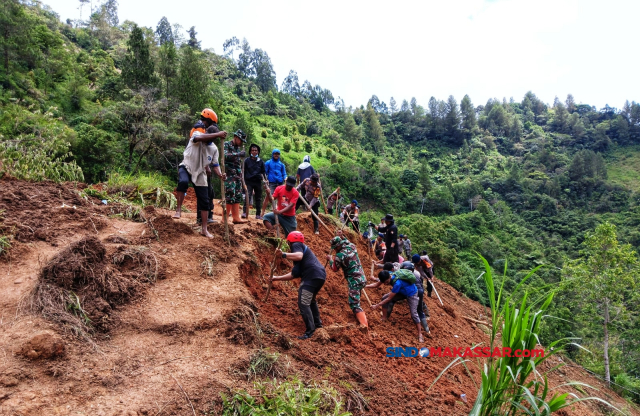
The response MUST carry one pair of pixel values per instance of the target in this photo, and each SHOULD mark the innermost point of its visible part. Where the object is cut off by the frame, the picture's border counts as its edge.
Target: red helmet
(295, 237)
(210, 114)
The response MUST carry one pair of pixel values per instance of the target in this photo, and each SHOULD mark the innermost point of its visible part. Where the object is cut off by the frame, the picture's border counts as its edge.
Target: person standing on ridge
(312, 277)
(424, 265)
(233, 154)
(407, 247)
(403, 287)
(200, 154)
(305, 170)
(276, 173)
(253, 172)
(351, 214)
(348, 260)
(309, 189)
(390, 239)
(287, 197)
(332, 200)
(423, 311)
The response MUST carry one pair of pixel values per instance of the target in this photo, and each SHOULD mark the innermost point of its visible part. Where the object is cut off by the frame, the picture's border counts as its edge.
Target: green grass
(623, 167)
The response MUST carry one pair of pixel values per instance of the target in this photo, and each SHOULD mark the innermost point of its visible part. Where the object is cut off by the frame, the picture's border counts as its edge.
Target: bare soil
(196, 324)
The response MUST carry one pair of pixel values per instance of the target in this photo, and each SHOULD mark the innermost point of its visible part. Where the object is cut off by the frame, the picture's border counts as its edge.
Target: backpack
(404, 274)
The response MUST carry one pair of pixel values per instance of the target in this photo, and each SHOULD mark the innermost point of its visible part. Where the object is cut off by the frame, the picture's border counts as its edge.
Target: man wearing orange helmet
(200, 156)
(312, 277)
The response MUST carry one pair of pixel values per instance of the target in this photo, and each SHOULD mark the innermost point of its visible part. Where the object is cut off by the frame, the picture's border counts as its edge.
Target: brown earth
(194, 327)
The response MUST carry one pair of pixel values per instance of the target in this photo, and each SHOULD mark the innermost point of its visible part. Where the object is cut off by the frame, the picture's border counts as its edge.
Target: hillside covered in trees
(517, 180)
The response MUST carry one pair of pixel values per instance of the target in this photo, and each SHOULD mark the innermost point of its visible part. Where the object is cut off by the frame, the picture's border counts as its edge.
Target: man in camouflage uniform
(233, 154)
(347, 259)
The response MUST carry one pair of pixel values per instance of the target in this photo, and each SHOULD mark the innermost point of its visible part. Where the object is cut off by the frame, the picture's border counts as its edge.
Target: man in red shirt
(286, 196)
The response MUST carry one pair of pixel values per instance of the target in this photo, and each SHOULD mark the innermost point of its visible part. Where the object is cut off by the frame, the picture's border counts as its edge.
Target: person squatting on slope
(312, 277)
(310, 190)
(390, 239)
(305, 170)
(276, 173)
(424, 266)
(200, 153)
(332, 200)
(403, 287)
(348, 260)
(253, 171)
(351, 214)
(233, 154)
(379, 247)
(286, 197)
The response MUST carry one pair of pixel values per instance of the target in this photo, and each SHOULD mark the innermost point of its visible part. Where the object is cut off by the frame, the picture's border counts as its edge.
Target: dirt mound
(169, 229)
(80, 286)
(45, 345)
(116, 239)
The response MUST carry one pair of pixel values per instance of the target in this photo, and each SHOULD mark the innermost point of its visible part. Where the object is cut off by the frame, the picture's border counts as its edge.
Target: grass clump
(265, 364)
(291, 397)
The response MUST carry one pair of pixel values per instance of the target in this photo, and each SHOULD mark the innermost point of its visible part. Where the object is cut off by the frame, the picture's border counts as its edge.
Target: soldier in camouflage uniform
(347, 259)
(233, 154)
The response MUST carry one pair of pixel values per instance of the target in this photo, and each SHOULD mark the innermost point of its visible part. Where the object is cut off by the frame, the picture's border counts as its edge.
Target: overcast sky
(404, 49)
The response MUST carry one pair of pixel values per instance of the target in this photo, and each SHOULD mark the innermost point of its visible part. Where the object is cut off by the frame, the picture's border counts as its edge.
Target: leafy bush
(286, 146)
(308, 147)
(264, 134)
(291, 397)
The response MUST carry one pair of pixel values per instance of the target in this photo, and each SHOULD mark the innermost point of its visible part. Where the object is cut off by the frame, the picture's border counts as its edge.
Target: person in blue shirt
(400, 289)
(276, 173)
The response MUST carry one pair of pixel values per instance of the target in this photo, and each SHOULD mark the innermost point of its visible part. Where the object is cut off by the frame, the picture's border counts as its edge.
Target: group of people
(288, 193)
(245, 177)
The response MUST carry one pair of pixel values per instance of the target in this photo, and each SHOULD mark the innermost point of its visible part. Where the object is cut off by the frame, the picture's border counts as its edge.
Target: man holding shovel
(312, 277)
(310, 190)
(348, 260)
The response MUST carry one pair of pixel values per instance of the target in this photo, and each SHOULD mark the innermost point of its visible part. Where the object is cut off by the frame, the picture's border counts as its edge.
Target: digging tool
(223, 199)
(313, 213)
(435, 290)
(273, 269)
(364, 292)
(244, 186)
(273, 203)
(324, 205)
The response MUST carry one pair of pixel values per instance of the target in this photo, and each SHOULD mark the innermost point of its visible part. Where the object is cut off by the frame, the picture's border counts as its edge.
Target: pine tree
(393, 106)
(352, 132)
(452, 120)
(137, 66)
(373, 129)
(193, 42)
(468, 113)
(168, 66)
(193, 79)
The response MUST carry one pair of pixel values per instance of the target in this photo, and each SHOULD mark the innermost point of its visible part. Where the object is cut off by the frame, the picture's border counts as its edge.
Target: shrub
(308, 147)
(264, 134)
(286, 146)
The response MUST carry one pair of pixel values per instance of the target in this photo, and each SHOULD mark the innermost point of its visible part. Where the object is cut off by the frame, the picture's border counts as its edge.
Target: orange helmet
(210, 114)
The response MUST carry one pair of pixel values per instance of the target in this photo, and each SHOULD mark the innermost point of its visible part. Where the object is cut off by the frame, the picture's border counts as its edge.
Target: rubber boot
(235, 213)
(423, 321)
(362, 319)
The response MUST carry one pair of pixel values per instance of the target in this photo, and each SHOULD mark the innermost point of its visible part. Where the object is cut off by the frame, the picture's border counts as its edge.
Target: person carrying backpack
(348, 260)
(403, 286)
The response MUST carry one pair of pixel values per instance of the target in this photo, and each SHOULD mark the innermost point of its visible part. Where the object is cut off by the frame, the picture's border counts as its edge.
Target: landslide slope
(183, 337)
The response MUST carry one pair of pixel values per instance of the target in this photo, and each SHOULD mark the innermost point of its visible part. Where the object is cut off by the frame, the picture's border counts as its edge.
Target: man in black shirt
(253, 173)
(390, 239)
(312, 277)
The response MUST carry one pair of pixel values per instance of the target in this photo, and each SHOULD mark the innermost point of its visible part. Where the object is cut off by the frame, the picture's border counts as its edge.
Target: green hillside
(518, 182)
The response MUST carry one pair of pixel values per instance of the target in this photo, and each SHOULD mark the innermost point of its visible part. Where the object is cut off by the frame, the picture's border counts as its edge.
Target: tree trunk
(607, 374)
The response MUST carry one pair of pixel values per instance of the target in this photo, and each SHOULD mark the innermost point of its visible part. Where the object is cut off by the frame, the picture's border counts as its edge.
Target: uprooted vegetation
(80, 286)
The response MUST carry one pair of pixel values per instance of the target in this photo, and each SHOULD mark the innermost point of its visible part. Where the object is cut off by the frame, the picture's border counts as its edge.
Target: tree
(164, 32)
(603, 280)
(229, 46)
(137, 66)
(193, 79)
(373, 129)
(291, 85)
(263, 70)
(168, 65)
(570, 103)
(193, 42)
(452, 120)
(414, 106)
(468, 113)
(352, 132)
(393, 106)
(405, 106)
(110, 10)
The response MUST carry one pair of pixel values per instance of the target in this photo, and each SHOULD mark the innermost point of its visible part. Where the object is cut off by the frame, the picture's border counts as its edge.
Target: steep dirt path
(191, 333)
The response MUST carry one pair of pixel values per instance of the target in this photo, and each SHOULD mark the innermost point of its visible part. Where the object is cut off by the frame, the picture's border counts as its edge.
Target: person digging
(347, 259)
(423, 273)
(312, 277)
(233, 154)
(403, 286)
(310, 190)
(351, 215)
(287, 197)
(200, 154)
